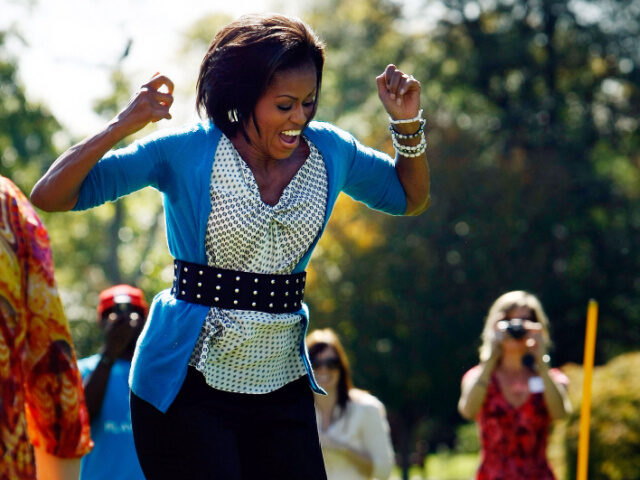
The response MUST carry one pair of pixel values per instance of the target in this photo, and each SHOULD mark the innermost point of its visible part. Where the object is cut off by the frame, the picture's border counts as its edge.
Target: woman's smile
(282, 113)
(291, 137)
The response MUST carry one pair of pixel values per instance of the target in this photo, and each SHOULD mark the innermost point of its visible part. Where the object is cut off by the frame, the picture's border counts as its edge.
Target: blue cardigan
(178, 162)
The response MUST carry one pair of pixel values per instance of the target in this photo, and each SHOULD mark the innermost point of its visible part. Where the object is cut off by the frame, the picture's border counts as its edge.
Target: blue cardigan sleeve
(373, 180)
(125, 170)
(363, 173)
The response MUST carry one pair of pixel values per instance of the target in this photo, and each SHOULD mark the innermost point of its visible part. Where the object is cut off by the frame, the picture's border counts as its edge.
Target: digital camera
(514, 328)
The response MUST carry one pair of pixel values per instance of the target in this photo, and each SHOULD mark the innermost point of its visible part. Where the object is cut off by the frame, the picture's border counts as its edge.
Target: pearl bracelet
(412, 155)
(410, 151)
(408, 136)
(406, 120)
(410, 148)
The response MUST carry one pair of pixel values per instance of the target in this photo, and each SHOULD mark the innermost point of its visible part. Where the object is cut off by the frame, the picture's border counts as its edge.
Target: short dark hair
(242, 60)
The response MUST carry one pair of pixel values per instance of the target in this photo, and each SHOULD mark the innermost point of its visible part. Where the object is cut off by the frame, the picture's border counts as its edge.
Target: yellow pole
(585, 410)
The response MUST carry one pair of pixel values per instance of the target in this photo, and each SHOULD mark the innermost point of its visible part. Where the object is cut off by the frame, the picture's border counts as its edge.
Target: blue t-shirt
(114, 454)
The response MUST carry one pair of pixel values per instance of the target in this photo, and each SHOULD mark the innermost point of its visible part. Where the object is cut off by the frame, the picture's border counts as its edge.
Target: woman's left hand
(535, 342)
(399, 93)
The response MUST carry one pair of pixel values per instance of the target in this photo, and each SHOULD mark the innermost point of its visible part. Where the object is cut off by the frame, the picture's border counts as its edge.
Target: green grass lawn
(444, 466)
(451, 466)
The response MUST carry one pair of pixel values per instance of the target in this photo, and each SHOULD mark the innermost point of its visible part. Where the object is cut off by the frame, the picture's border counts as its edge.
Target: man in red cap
(122, 311)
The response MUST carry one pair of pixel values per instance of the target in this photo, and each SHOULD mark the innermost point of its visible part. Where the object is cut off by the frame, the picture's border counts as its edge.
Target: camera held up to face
(517, 329)
(514, 327)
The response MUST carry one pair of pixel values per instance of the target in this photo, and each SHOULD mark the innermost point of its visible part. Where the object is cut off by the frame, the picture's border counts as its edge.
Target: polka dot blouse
(248, 351)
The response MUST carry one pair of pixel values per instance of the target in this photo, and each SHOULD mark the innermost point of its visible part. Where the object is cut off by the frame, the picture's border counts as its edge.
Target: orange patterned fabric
(41, 395)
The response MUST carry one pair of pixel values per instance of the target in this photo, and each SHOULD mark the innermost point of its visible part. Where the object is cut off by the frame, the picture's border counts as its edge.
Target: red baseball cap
(122, 294)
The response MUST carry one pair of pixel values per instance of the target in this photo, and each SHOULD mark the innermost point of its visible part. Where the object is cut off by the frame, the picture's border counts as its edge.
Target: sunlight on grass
(444, 466)
(451, 466)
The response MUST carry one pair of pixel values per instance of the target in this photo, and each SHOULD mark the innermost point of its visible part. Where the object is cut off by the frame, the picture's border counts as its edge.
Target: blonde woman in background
(512, 393)
(353, 427)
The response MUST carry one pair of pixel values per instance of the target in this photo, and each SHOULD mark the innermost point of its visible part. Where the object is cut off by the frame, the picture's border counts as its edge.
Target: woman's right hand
(496, 349)
(150, 104)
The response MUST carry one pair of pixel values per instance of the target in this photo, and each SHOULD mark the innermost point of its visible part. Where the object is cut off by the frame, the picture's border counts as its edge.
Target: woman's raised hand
(59, 188)
(399, 93)
(535, 341)
(150, 104)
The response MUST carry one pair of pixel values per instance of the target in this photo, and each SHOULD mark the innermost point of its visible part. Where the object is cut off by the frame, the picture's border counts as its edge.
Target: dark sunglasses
(330, 363)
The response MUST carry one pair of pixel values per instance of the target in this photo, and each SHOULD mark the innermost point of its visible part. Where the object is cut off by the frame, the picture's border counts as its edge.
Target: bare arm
(555, 394)
(400, 95)
(119, 332)
(473, 391)
(95, 385)
(415, 178)
(50, 467)
(59, 188)
(474, 385)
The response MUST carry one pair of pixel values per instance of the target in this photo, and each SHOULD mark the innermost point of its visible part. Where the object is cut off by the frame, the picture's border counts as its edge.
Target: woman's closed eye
(307, 104)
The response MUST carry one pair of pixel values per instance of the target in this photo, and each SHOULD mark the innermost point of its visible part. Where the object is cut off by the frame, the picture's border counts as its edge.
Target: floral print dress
(41, 395)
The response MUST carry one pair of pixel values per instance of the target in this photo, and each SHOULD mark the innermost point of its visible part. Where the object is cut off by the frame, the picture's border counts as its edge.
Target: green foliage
(533, 146)
(116, 243)
(532, 111)
(614, 433)
(199, 35)
(27, 133)
(26, 129)
(360, 41)
(467, 438)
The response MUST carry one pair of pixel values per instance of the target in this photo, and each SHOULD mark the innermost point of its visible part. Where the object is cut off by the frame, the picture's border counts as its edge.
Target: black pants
(215, 435)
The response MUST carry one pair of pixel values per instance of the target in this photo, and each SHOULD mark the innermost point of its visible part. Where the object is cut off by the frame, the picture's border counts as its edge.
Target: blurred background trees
(614, 442)
(121, 242)
(532, 110)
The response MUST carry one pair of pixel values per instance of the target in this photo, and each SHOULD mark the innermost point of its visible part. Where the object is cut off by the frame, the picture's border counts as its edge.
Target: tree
(533, 137)
(26, 128)
(116, 243)
(614, 444)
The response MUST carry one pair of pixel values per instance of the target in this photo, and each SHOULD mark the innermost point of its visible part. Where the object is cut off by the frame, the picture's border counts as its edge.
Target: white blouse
(363, 427)
(248, 351)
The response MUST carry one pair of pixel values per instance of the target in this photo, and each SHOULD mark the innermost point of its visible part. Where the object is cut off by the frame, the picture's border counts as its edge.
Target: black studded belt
(217, 287)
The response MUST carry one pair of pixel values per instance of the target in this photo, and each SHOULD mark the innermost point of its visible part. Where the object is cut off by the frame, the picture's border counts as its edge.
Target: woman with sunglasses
(352, 424)
(512, 393)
